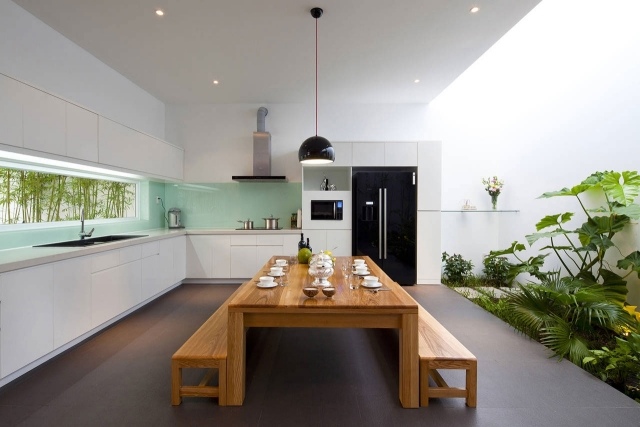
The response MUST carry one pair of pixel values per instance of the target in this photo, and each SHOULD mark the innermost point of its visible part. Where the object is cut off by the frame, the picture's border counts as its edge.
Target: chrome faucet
(82, 233)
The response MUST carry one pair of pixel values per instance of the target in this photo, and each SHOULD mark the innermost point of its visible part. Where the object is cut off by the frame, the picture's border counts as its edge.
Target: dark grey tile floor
(307, 377)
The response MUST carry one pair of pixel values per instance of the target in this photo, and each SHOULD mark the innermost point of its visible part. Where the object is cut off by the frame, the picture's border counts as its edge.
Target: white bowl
(358, 261)
(370, 279)
(281, 262)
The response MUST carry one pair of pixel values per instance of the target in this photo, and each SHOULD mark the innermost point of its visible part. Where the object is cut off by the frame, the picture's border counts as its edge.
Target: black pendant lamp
(316, 150)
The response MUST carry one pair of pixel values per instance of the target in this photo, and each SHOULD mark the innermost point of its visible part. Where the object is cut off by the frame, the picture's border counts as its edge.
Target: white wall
(556, 99)
(32, 52)
(218, 138)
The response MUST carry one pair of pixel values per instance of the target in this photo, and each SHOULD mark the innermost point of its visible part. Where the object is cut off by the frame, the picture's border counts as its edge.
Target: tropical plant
(619, 366)
(456, 269)
(567, 314)
(496, 270)
(571, 306)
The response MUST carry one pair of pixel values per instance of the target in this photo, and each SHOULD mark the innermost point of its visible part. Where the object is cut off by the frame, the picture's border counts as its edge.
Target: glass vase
(494, 201)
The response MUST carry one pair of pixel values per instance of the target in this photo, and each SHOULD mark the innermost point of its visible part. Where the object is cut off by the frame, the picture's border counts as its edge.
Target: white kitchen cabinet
(429, 175)
(131, 281)
(26, 316)
(82, 133)
(400, 154)
(339, 242)
(343, 151)
(264, 254)
(208, 256)
(11, 99)
(317, 239)
(243, 261)
(199, 257)
(167, 265)
(71, 299)
(429, 247)
(44, 121)
(368, 154)
(152, 270)
(290, 244)
(143, 153)
(179, 259)
(116, 283)
(221, 257)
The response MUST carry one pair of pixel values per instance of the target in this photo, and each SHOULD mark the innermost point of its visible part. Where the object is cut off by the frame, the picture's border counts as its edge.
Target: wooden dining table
(287, 306)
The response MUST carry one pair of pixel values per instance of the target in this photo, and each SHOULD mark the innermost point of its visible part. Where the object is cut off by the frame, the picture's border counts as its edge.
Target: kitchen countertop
(29, 256)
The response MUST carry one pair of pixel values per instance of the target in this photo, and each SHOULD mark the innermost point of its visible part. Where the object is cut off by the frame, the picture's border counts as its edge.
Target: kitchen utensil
(247, 225)
(310, 291)
(271, 223)
(174, 219)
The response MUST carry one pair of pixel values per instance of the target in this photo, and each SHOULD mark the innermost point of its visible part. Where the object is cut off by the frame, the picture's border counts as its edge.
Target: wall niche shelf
(481, 210)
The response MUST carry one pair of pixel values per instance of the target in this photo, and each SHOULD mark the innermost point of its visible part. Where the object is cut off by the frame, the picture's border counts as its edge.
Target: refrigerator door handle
(379, 223)
(384, 234)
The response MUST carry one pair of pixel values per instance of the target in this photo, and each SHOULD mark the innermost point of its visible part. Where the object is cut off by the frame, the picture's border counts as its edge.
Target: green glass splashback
(223, 205)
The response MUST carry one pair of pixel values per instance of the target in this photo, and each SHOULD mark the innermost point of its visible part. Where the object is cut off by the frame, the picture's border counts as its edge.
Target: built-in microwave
(326, 210)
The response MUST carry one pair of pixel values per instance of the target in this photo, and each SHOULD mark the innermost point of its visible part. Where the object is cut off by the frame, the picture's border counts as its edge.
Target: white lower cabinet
(71, 299)
(179, 245)
(243, 261)
(199, 257)
(26, 316)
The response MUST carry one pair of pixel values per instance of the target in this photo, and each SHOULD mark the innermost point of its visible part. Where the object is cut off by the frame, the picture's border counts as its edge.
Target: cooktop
(259, 228)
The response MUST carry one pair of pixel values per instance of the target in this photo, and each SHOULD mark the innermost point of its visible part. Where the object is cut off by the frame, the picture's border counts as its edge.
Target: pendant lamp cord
(316, 76)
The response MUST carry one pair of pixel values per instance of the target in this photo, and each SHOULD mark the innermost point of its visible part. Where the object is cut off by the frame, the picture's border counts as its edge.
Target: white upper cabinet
(368, 154)
(124, 147)
(44, 122)
(10, 111)
(400, 154)
(344, 152)
(82, 133)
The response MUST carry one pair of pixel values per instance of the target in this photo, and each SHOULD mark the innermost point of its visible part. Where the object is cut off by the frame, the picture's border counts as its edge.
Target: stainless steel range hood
(261, 155)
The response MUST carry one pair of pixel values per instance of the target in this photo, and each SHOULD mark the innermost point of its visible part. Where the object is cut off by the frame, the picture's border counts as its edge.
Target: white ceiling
(370, 51)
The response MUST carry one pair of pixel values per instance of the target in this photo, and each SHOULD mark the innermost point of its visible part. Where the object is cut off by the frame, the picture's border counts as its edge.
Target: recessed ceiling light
(416, 81)
(215, 82)
(159, 12)
(474, 9)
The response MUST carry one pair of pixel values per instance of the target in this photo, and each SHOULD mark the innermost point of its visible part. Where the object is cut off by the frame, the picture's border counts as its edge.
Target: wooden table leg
(409, 362)
(235, 359)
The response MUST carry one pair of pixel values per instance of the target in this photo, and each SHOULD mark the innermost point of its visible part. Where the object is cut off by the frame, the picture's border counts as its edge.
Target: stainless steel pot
(247, 225)
(271, 223)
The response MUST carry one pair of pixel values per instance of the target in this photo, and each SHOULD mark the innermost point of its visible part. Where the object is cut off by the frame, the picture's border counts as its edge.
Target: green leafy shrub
(620, 366)
(457, 270)
(496, 270)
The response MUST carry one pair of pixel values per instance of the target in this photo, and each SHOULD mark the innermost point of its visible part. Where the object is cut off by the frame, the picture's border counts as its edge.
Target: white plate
(366, 273)
(267, 285)
(373, 285)
(275, 275)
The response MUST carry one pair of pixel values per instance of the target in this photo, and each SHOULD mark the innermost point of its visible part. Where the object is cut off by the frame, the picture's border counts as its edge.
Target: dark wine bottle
(308, 246)
(301, 243)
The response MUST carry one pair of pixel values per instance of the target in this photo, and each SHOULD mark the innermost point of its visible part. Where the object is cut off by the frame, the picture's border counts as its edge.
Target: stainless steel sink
(91, 241)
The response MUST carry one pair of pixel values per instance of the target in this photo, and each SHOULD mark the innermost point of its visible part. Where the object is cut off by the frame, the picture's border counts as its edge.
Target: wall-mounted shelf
(480, 210)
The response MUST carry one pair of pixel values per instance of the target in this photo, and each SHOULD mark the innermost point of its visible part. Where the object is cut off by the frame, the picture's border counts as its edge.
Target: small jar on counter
(294, 220)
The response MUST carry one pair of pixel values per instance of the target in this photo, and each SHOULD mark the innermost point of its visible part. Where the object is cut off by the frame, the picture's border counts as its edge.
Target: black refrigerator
(385, 209)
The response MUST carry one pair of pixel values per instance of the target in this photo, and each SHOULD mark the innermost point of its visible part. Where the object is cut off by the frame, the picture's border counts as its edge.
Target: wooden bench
(438, 349)
(206, 348)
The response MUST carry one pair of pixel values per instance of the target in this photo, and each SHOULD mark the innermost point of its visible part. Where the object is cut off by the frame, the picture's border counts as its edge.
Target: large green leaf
(615, 287)
(622, 187)
(532, 238)
(553, 220)
(631, 211)
(573, 191)
(630, 261)
(515, 247)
